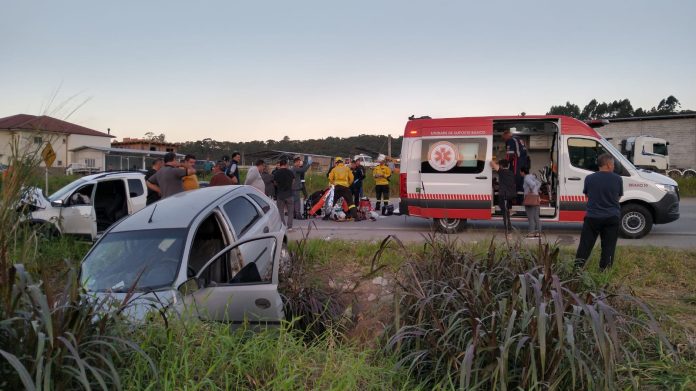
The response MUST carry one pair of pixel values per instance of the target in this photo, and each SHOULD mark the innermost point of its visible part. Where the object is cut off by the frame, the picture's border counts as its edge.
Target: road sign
(48, 155)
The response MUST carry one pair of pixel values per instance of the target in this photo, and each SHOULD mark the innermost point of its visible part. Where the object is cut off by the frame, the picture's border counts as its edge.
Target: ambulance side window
(453, 156)
(583, 154)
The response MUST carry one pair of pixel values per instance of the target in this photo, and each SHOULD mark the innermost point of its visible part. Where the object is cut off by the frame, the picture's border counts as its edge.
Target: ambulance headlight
(666, 188)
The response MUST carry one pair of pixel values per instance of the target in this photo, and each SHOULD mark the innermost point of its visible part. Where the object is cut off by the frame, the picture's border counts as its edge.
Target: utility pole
(389, 145)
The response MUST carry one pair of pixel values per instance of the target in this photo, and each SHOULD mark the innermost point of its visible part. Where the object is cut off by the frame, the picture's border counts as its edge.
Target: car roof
(177, 211)
(114, 174)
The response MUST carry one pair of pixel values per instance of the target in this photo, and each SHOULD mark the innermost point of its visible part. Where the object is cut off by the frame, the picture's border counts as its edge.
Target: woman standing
(531, 187)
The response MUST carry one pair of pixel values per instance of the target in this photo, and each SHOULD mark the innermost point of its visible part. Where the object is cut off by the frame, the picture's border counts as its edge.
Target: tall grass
(509, 318)
(687, 187)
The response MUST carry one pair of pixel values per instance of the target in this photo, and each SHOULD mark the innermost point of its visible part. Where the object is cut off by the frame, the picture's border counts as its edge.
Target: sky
(259, 70)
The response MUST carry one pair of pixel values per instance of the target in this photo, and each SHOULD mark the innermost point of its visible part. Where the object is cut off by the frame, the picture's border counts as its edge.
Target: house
(34, 132)
(145, 145)
(678, 129)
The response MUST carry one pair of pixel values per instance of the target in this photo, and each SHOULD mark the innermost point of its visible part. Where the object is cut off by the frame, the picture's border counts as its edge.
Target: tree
(571, 110)
(668, 105)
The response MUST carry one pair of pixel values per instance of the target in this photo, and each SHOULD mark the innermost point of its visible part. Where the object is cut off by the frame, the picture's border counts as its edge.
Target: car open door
(77, 214)
(237, 290)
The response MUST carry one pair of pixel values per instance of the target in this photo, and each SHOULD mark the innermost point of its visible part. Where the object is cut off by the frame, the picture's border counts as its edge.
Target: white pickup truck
(89, 205)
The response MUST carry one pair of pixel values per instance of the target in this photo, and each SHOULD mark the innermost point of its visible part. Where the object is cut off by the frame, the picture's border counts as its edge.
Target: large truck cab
(647, 152)
(446, 175)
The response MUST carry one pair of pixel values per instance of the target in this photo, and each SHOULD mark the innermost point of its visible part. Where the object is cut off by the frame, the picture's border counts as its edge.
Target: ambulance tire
(450, 226)
(636, 221)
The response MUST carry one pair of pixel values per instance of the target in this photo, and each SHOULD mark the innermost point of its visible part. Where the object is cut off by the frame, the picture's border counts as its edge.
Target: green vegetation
(687, 187)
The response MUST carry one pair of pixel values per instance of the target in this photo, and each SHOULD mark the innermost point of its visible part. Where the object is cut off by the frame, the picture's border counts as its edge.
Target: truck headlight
(666, 188)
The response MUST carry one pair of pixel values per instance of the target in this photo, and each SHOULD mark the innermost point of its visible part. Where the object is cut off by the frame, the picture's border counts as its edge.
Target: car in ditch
(214, 253)
(89, 205)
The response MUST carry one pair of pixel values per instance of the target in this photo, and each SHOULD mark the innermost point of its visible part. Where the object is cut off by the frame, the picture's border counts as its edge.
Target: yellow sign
(48, 155)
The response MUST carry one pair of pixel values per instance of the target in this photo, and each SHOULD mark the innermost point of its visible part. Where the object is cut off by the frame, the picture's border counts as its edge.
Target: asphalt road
(678, 234)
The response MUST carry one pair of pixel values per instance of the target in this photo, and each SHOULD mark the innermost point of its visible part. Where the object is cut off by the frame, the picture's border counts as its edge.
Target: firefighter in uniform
(341, 177)
(381, 174)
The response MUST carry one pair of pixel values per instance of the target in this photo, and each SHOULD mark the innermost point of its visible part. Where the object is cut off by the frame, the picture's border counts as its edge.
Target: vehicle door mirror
(57, 203)
(189, 286)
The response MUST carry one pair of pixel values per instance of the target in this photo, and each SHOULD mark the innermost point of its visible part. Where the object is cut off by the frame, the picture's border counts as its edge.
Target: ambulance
(446, 174)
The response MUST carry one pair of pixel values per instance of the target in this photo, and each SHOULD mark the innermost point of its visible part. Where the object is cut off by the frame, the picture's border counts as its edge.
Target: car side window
(82, 196)
(583, 154)
(242, 214)
(135, 187)
(265, 207)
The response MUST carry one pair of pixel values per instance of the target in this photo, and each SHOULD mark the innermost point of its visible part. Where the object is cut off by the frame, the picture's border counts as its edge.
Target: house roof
(124, 151)
(653, 117)
(45, 123)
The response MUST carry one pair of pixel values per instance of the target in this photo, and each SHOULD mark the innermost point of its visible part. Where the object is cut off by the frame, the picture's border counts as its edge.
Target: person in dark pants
(507, 190)
(518, 158)
(603, 190)
(283, 178)
(358, 177)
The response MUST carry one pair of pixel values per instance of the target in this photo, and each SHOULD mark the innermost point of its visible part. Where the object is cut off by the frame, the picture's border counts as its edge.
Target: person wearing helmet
(342, 177)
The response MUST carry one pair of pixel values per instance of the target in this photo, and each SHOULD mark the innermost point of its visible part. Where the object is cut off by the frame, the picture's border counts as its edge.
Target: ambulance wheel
(636, 221)
(450, 226)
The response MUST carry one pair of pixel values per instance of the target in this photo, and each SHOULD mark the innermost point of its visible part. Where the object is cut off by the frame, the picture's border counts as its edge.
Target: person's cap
(338, 159)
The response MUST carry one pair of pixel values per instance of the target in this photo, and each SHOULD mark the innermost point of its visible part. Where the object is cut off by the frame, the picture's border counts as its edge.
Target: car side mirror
(191, 285)
(57, 203)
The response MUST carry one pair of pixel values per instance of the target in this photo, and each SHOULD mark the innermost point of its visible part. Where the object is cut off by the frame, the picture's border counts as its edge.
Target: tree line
(209, 149)
(617, 109)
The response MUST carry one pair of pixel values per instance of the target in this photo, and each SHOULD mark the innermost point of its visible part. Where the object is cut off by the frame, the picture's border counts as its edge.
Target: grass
(212, 356)
(687, 187)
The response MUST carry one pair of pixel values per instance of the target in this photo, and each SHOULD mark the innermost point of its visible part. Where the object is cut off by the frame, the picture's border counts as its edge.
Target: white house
(34, 132)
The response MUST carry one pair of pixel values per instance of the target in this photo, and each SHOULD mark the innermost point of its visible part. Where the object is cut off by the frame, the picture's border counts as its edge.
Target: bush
(513, 319)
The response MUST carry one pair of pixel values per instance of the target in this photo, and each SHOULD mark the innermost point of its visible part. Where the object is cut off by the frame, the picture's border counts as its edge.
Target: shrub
(510, 318)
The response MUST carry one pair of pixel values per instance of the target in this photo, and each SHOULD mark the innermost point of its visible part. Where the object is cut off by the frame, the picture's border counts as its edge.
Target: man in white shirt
(254, 178)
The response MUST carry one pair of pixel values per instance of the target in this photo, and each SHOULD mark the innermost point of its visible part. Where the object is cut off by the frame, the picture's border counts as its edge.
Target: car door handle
(266, 230)
(574, 178)
(263, 303)
(481, 177)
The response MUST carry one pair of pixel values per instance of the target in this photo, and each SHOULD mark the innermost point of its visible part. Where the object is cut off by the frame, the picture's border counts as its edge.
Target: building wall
(679, 132)
(32, 142)
(78, 140)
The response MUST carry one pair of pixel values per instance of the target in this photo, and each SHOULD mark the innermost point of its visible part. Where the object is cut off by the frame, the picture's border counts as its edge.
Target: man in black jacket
(507, 190)
(358, 177)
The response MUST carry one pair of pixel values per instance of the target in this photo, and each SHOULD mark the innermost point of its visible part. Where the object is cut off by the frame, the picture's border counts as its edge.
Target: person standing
(603, 189)
(516, 155)
(341, 177)
(219, 178)
(233, 167)
(254, 178)
(190, 181)
(283, 179)
(167, 180)
(381, 174)
(531, 202)
(153, 196)
(506, 190)
(268, 182)
(299, 167)
(358, 177)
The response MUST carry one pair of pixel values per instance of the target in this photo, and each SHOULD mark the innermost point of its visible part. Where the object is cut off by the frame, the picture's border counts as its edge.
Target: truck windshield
(67, 189)
(139, 260)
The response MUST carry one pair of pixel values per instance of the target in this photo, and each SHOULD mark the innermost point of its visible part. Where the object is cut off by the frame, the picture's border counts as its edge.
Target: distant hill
(209, 149)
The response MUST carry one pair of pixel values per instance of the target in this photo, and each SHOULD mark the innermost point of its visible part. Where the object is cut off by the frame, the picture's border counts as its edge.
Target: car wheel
(450, 226)
(636, 221)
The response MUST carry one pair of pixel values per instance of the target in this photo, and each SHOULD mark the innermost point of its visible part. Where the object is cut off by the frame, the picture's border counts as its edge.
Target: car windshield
(65, 190)
(141, 260)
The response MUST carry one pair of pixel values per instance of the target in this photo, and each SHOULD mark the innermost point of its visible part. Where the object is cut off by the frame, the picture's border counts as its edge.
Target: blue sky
(233, 70)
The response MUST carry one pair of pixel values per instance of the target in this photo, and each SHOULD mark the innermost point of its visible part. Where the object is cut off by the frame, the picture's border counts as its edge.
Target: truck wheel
(636, 221)
(450, 226)
(674, 174)
(689, 173)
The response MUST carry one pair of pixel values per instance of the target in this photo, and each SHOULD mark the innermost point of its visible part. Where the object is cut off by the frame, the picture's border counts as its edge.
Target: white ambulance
(445, 172)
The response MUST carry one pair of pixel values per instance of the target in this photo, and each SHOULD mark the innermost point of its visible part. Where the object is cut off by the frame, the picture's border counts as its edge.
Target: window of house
(38, 140)
(453, 156)
(90, 162)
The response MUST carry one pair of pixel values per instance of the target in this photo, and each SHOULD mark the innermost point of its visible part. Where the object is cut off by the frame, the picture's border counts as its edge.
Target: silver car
(214, 252)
